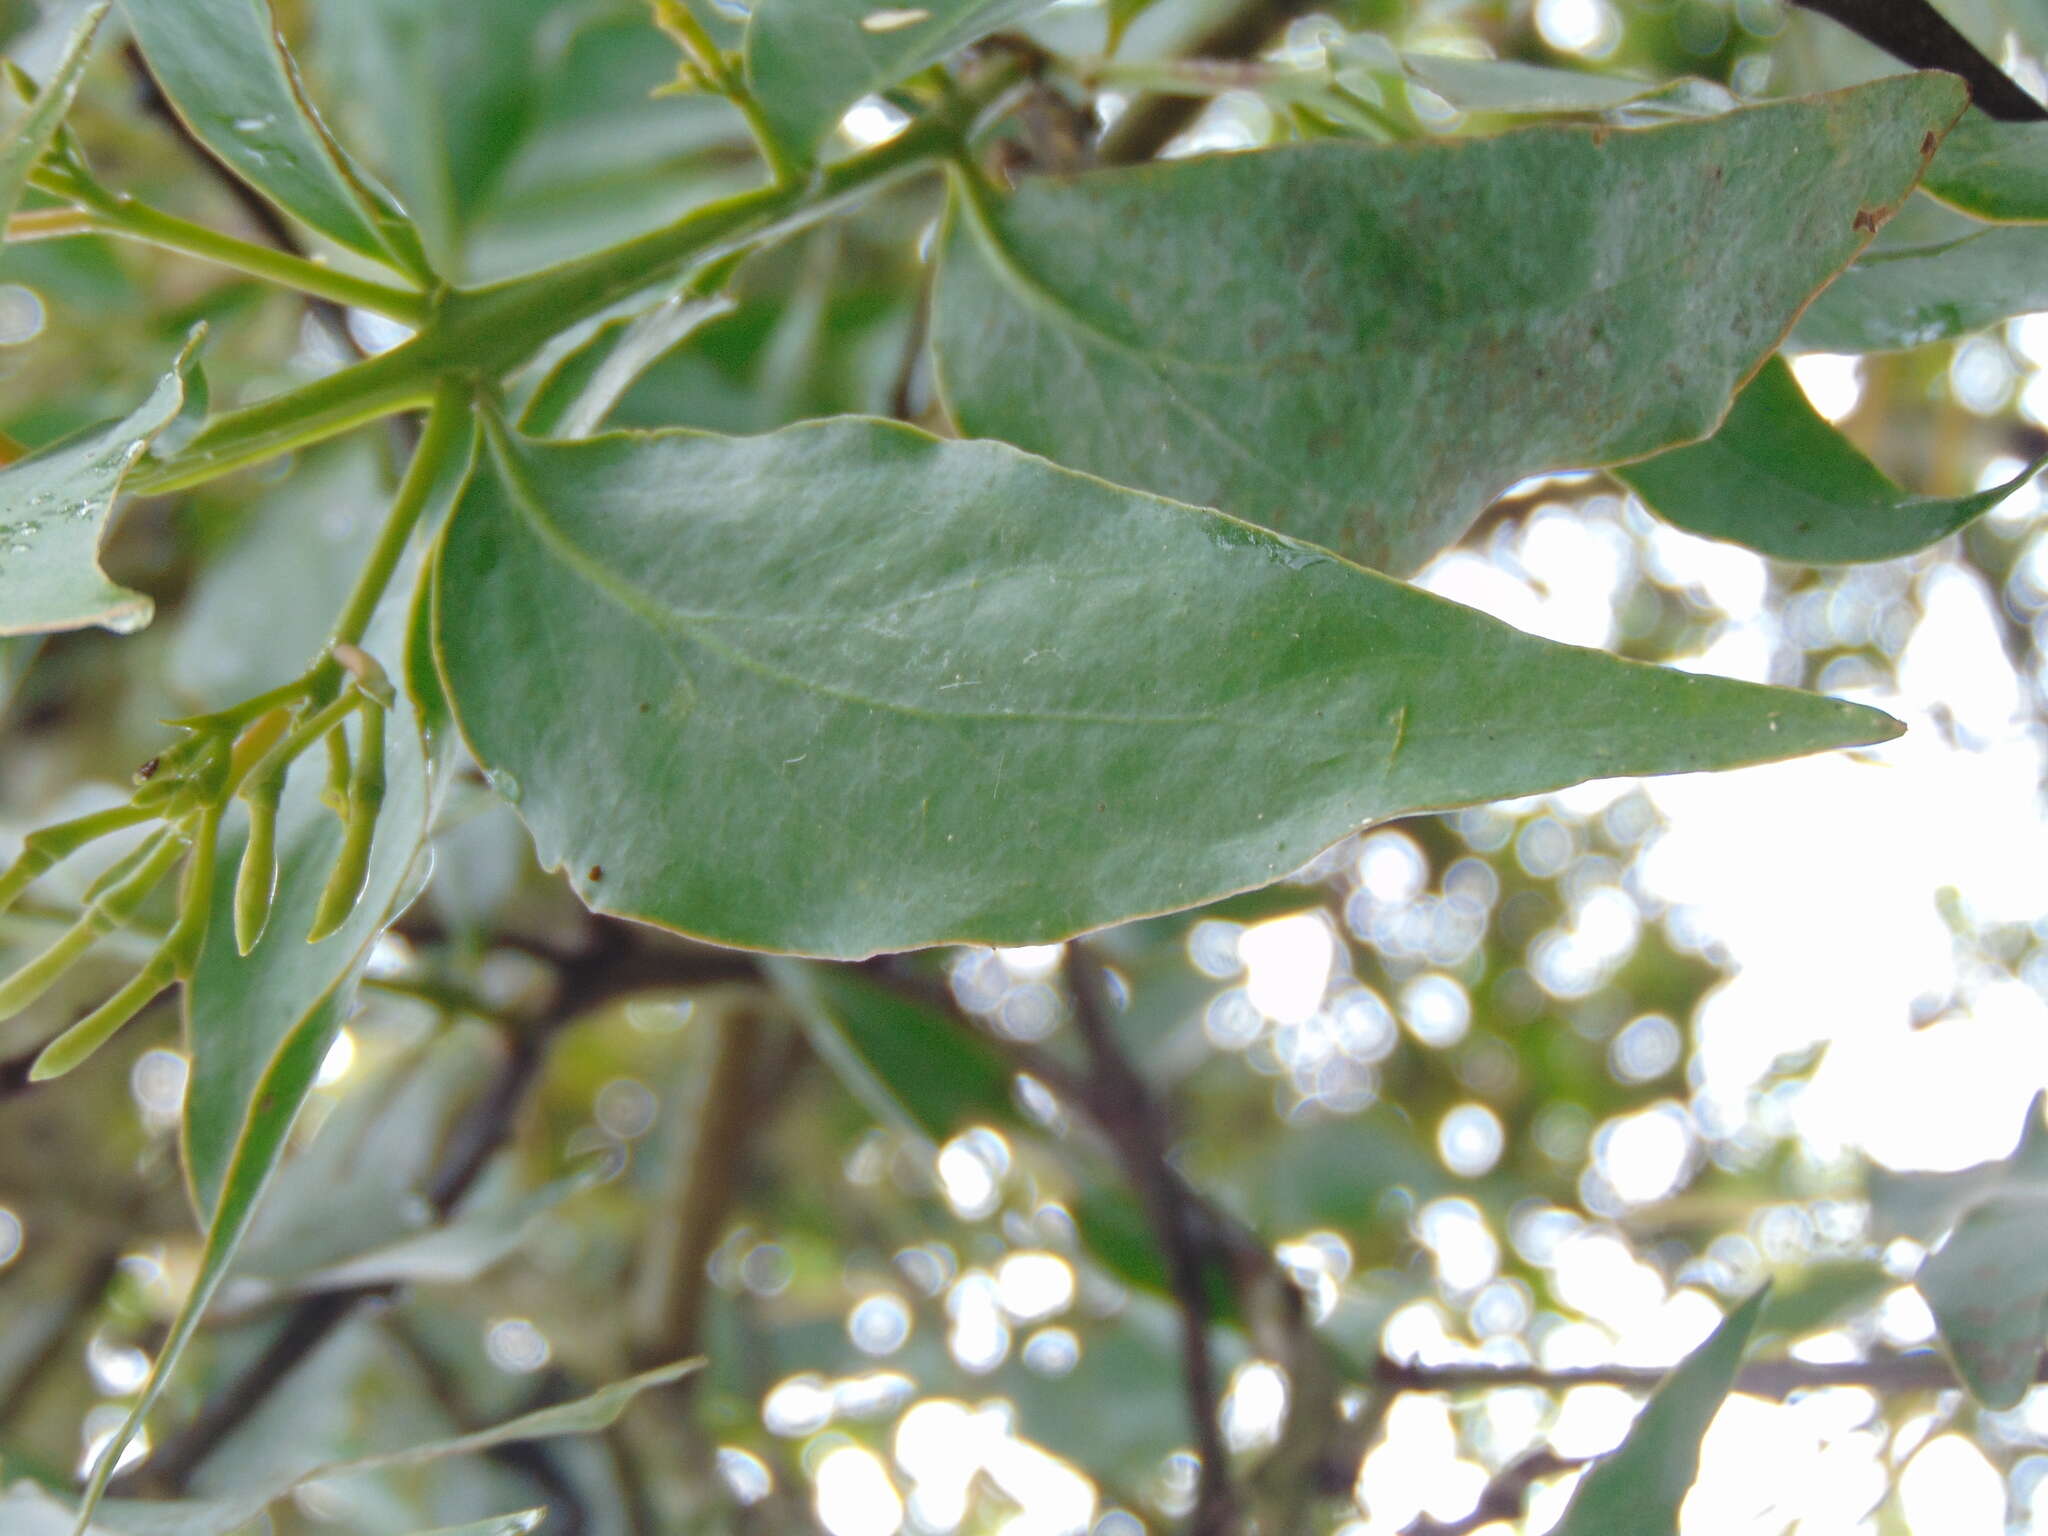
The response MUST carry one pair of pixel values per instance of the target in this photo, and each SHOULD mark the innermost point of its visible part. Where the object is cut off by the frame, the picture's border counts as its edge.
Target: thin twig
(1150, 123)
(615, 962)
(1922, 1370)
(1123, 1106)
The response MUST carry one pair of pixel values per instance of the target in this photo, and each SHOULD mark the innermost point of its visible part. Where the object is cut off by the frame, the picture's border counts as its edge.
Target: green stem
(438, 439)
(681, 23)
(119, 215)
(486, 332)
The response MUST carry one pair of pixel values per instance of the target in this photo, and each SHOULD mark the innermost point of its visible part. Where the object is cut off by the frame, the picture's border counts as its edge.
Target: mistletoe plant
(1116, 628)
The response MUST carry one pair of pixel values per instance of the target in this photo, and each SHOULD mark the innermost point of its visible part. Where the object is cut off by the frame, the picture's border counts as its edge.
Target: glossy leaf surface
(53, 514)
(33, 131)
(809, 60)
(222, 66)
(1275, 333)
(846, 688)
(1891, 300)
(1638, 1490)
(1778, 478)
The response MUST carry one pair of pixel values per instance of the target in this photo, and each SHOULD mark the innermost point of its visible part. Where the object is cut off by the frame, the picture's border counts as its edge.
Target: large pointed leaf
(1780, 479)
(1906, 298)
(1638, 1490)
(1986, 1285)
(1362, 345)
(809, 60)
(224, 69)
(31, 133)
(846, 688)
(53, 513)
(258, 1026)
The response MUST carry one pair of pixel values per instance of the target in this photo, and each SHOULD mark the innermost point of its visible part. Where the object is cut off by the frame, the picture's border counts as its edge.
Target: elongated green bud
(47, 847)
(351, 870)
(100, 1026)
(256, 880)
(115, 908)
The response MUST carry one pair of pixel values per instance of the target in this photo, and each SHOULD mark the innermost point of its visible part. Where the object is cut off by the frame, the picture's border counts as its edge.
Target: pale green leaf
(517, 1523)
(846, 688)
(53, 513)
(1986, 1285)
(1637, 1491)
(587, 381)
(1363, 344)
(29, 135)
(223, 67)
(1779, 478)
(231, 1511)
(809, 60)
(1895, 299)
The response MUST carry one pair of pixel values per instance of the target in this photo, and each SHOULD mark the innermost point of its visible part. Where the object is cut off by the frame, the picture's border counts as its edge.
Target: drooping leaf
(29, 135)
(846, 688)
(1637, 1491)
(1985, 1285)
(809, 60)
(1994, 170)
(224, 69)
(231, 1512)
(259, 1026)
(1361, 345)
(1779, 478)
(907, 1063)
(1891, 300)
(53, 512)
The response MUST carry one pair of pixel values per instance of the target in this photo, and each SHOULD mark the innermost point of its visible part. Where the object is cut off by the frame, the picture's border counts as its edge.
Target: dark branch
(1122, 1105)
(1915, 33)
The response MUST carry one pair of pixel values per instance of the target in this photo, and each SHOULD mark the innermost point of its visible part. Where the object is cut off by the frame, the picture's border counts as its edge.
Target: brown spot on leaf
(596, 873)
(1928, 145)
(1868, 220)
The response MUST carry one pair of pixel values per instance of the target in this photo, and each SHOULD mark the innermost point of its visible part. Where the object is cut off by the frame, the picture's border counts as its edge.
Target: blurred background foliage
(1448, 1082)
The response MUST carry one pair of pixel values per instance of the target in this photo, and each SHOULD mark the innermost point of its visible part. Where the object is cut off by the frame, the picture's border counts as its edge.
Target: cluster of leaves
(1109, 622)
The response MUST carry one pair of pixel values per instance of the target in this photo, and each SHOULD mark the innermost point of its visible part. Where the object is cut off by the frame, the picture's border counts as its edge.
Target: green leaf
(846, 688)
(1994, 170)
(22, 146)
(223, 67)
(1813, 1296)
(1512, 86)
(258, 1026)
(1780, 479)
(1986, 1286)
(809, 60)
(1362, 345)
(1891, 300)
(516, 1524)
(907, 1063)
(53, 512)
(231, 1511)
(1637, 1491)
(447, 90)
(586, 382)
(580, 1416)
